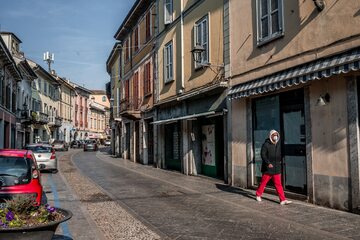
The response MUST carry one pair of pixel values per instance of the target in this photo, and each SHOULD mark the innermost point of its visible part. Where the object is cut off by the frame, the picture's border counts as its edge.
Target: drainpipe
(182, 45)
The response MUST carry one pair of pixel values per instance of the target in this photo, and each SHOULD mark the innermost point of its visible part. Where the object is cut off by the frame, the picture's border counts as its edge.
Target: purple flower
(10, 216)
(49, 208)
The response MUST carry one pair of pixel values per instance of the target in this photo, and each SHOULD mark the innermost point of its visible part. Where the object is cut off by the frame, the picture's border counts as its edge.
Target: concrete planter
(43, 232)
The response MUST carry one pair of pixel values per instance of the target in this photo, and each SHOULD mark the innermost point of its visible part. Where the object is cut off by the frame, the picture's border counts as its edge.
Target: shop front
(315, 108)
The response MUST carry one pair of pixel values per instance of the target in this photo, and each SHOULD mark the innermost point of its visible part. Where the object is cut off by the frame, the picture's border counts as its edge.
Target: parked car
(90, 145)
(76, 144)
(19, 174)
(107, 142)
(60, 145)
(44, 154)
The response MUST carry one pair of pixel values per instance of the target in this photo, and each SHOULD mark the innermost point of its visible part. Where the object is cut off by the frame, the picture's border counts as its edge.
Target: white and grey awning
(321, 68)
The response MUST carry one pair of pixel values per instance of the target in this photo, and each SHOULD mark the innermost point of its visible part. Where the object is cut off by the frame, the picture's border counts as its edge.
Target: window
(136, 38)
(127, 50)
(148, 25)
(136, 90)
(168, 11)
(270, 19)
(147, 79)
(202, 39)
(168, 62)
(104, 98)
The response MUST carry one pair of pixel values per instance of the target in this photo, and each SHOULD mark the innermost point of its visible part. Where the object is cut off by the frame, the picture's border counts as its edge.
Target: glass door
(285, 113)
(293, 141)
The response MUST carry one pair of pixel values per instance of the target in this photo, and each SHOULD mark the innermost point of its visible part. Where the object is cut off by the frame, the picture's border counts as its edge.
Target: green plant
(21, 212)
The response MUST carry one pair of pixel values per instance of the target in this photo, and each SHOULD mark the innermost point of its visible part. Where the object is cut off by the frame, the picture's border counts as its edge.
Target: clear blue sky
(79, 33)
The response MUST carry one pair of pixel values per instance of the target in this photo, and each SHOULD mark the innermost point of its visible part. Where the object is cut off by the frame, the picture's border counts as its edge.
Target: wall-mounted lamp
(320, 4)
(323, 100)
(196, 53)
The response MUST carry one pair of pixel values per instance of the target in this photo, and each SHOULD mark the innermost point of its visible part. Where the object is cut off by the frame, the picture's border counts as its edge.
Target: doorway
(283, 112)
(172, 146)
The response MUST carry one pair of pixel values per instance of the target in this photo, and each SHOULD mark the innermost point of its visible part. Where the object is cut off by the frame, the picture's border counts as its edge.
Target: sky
(80, 33)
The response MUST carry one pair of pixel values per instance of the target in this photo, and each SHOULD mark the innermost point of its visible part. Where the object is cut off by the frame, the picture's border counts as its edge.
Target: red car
(19, 174)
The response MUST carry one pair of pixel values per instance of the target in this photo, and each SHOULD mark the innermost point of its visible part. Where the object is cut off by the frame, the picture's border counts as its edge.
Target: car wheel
(55, 171)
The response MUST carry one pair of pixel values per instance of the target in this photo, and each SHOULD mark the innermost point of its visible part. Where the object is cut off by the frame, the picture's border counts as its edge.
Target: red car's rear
(19, 174)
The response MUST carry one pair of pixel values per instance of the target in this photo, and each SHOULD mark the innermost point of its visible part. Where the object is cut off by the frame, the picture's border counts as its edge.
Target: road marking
(64, 225)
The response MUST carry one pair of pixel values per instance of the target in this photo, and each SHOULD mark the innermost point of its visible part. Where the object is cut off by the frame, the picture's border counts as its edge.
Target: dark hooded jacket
(271, 153)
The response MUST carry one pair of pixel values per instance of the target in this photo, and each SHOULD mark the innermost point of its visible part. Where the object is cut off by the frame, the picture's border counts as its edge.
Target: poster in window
(208, 145)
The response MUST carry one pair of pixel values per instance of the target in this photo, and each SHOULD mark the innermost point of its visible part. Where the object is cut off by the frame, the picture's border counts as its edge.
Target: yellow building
(191, 88)
(113, 68)
(137, 35)
(66, 107)
(295, 68)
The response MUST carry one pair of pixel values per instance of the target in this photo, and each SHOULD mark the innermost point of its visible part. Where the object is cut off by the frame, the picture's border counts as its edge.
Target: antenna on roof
(49, 58)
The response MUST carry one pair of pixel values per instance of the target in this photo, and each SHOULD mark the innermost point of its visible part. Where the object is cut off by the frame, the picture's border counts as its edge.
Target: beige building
(295, 68)
(191, 88)
(99, 115)
(113, 69)
(45, 105)
(66, 107)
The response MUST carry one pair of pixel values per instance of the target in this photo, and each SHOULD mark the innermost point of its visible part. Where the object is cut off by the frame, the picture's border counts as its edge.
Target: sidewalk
(311, 219)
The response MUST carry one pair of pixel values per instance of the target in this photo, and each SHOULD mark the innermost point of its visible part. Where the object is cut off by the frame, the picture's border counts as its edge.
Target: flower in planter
(21, 212)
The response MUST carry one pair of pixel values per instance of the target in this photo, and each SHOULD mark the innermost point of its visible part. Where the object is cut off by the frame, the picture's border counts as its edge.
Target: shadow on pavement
(242, 192)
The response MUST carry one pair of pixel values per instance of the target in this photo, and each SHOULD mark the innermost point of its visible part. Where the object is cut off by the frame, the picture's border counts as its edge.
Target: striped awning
(321, 68)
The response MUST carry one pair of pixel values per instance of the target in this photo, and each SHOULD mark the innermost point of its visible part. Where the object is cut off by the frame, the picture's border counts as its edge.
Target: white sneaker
(285, 202)
(258, 198)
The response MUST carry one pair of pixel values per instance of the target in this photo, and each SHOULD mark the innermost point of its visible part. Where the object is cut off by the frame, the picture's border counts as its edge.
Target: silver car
(44, 155)
(90, 145)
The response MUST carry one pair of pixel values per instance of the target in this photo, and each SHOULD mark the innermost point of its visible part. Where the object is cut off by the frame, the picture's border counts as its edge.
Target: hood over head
(272, 132)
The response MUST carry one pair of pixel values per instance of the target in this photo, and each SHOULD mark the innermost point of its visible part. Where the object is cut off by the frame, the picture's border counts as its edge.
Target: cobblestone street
(131, 201)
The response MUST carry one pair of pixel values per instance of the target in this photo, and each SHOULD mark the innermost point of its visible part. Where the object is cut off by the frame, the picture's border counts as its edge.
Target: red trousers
(277, 182)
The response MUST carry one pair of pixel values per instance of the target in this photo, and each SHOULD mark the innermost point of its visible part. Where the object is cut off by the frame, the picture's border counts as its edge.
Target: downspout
(182, 46)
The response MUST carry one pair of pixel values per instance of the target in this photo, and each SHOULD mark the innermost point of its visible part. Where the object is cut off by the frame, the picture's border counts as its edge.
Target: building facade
(190, 123)
(66, 109)
(9, 77)
(45, 105)
(136, 91)
(23, 91)
(81, 112)
(295, 68)
(99, 116)
(113, 68)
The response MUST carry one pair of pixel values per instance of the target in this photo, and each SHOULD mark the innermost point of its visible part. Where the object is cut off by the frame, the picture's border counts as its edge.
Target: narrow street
(151, 203)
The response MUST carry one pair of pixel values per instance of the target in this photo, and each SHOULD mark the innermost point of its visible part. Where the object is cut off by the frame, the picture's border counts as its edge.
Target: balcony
(55, 121)
(24, 116)
(39, 117)
(130, 108)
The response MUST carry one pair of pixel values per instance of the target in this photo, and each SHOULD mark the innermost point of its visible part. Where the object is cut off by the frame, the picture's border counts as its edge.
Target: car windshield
(39, 149)
(14, 171)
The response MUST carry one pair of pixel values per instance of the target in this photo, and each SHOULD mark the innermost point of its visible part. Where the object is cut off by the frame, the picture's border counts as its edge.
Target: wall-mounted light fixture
(320, 4)
(196, 54)
(323, 100)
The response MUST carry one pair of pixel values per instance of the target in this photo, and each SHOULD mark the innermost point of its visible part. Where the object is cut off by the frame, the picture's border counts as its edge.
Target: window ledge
(169, 81)
(269, 39)
(147, 95)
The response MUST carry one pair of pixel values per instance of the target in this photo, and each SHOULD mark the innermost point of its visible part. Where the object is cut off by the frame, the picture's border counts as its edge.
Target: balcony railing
(55, 121)
(131, 104)
(39, 117)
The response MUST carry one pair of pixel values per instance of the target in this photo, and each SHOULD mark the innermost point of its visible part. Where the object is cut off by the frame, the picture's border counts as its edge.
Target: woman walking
(271, 166)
